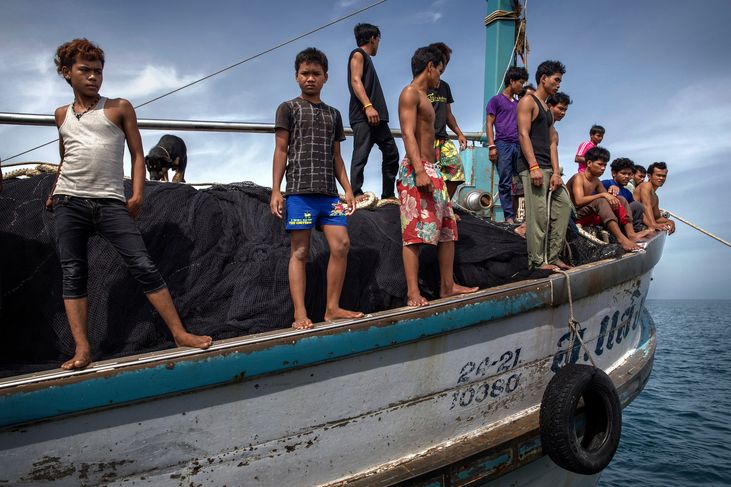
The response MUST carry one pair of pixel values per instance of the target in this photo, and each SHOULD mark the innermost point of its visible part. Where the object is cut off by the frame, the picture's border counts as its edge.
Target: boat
(444, 395)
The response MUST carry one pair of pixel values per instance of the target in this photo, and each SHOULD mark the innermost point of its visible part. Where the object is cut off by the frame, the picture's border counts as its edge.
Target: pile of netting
(224, 258)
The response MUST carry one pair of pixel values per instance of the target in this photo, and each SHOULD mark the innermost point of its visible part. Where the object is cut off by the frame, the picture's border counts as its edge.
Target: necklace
(78, 115)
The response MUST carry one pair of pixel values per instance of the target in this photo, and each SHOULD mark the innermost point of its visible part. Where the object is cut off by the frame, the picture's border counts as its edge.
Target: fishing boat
(506, 386)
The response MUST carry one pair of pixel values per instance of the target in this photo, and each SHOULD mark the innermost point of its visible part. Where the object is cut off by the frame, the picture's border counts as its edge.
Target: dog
(169, 153)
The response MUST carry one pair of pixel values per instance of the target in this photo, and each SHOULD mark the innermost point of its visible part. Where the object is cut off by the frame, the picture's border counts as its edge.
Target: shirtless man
(88, 195)
(426, 212)
(595, 205)
(646, 193)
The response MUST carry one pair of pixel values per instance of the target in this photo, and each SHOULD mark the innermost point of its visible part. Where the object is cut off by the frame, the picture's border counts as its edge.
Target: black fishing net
(224, 258)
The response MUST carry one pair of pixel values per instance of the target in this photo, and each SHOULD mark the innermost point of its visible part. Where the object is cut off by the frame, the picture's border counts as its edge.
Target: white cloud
(224, 158)
(427, 17)
(149, 81)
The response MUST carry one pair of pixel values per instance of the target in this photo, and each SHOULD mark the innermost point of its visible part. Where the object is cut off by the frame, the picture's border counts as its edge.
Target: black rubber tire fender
(592, 452)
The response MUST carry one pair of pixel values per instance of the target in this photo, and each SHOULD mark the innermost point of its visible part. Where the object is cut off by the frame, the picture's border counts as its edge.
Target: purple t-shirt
(506, 117)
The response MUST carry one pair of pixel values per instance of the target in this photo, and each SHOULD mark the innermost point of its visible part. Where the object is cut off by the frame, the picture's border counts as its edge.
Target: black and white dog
(169, 153)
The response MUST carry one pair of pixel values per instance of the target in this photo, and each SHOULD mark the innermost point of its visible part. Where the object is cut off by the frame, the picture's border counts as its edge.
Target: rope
(30, 172)
(591, 238)
(697, 228)
(29, 163)
(574, 324)
(500, 15)
(548, 227)
(282, 44)
(526, 48)
(521, 26)
(512, 54)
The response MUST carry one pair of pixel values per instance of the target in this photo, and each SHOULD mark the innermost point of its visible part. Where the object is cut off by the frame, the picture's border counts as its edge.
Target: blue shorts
(305, 211)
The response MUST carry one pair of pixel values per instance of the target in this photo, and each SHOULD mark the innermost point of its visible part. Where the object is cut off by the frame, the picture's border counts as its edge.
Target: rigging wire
(267, 51)
(515, 46)
(512, 54)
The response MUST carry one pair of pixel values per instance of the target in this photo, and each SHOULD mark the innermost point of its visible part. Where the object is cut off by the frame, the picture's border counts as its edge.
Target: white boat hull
(461, 403)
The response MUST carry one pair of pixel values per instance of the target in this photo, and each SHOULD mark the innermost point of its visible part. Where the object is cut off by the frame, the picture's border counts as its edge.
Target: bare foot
(520, 230)
(303, 324)
(550, 267)
(630, 246)
(561, 265)
(457, 289)
(636, 236)
(194, 341)
(339, 313)
(81, 359)
(416, 301)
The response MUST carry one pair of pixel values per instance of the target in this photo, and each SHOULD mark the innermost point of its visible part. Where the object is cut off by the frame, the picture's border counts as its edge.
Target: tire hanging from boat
(591, 452)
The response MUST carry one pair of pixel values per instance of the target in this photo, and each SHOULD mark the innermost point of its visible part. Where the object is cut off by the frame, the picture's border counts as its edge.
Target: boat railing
(7, 118)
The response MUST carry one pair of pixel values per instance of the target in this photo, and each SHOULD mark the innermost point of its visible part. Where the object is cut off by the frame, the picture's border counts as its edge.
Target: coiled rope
(500, 15)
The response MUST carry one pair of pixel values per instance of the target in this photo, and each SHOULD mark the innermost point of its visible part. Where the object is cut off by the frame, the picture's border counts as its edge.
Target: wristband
(493, 146)
(366, 106)
(535, 168)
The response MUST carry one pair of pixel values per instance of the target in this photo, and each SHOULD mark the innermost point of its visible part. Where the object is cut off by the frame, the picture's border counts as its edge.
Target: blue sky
(654, 73)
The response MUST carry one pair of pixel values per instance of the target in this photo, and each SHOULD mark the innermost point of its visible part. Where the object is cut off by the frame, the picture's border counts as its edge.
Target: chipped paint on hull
(373, 402)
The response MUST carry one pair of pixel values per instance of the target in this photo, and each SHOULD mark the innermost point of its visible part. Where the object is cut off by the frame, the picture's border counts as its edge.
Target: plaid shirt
(313, 130)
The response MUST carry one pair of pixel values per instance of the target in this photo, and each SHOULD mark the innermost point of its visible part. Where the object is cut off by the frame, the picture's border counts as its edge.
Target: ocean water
(678, 431)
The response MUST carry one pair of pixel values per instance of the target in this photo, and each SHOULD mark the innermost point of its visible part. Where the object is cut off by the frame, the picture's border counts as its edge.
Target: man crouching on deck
(308, 134)
(426, 212)
(88, 194)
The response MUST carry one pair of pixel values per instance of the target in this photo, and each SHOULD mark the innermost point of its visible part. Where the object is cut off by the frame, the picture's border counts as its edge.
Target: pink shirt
(583, 149)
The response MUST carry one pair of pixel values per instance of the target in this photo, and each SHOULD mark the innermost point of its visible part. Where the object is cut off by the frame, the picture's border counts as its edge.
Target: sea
(678, 431)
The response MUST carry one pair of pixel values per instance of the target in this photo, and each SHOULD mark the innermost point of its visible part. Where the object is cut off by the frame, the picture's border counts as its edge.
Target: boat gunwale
(553, 285)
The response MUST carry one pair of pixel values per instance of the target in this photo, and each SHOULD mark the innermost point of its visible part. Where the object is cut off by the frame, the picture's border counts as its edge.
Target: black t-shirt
(540, 138)
(440, 98)
(372, 88)
(313, 130)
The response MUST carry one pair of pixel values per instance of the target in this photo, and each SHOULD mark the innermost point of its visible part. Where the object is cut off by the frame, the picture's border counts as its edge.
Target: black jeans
(77, 219)
(364, 136)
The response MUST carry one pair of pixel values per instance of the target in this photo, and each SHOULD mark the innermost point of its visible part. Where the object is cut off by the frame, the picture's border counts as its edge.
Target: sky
(655, 74)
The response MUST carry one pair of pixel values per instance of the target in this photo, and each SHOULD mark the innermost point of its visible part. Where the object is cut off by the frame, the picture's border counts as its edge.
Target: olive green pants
(536, 200)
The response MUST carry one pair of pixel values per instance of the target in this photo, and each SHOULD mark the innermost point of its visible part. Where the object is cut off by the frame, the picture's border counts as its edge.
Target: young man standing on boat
(88, 195)
(368, 113)
(447, 156)
(308, 134)
(503, 142)
(646, 193)
(596, 206)
(538, 168)
(559, 105)
(426, 212)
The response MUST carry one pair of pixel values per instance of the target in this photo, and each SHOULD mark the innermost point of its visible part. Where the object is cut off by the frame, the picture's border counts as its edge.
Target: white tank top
(93, 162)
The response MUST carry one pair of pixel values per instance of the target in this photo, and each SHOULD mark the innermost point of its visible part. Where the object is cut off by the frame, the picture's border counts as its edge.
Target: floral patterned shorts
(425, 217)
(450, 164)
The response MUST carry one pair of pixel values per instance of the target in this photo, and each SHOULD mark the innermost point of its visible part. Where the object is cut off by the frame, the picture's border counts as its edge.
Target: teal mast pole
(499, 43)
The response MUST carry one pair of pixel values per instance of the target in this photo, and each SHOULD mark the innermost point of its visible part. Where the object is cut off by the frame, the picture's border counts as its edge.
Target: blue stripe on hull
(185, 375)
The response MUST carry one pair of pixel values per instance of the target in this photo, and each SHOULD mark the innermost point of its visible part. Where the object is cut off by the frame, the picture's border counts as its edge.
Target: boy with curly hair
(88, 195)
